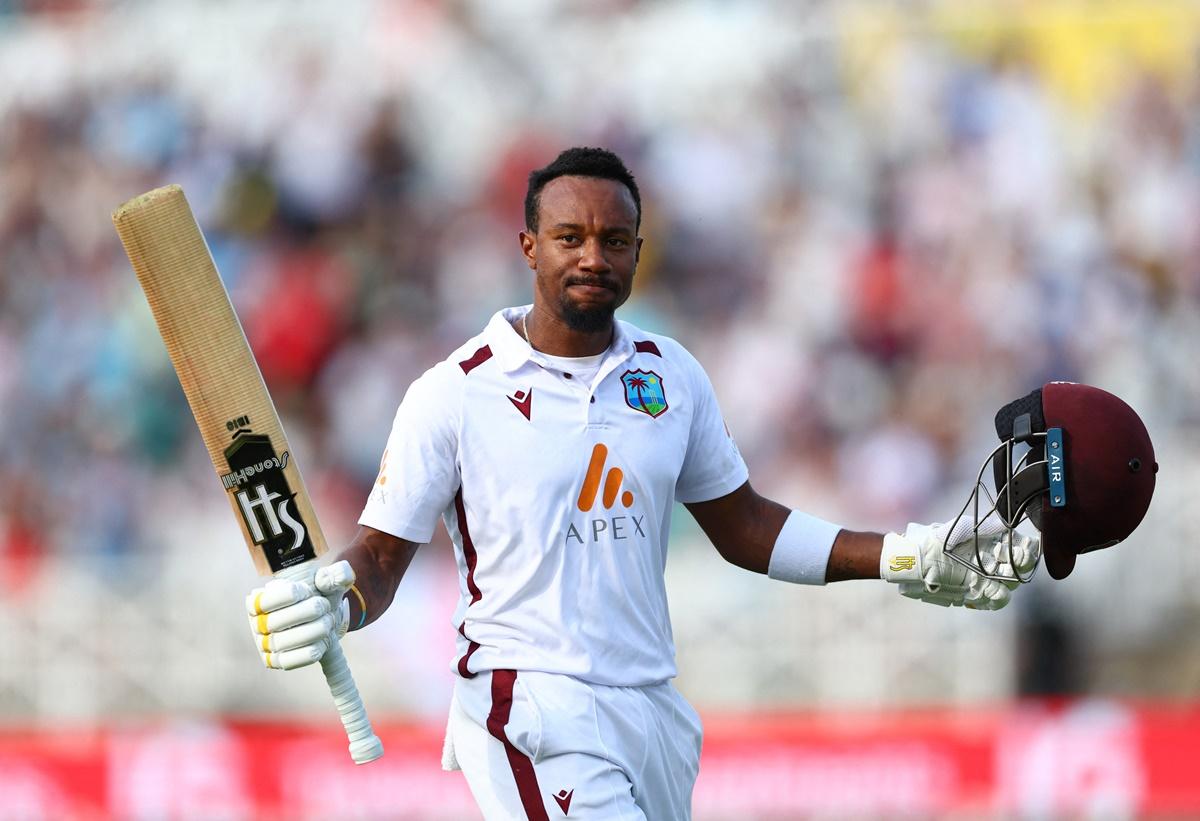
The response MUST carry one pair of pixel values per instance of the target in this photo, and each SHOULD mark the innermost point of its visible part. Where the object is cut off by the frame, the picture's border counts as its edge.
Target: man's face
(585, 250)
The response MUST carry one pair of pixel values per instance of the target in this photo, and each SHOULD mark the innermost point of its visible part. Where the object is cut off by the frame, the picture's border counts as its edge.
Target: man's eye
(617, 242)
(568, 238)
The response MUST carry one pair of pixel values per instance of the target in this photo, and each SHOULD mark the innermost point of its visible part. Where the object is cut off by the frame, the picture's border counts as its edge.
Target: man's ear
(529, 249)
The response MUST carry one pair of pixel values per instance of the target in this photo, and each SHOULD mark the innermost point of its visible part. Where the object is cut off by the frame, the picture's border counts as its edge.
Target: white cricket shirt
(558, 496)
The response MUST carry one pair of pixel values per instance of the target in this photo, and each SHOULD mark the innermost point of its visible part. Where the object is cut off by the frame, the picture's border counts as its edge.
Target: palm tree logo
(644, 392)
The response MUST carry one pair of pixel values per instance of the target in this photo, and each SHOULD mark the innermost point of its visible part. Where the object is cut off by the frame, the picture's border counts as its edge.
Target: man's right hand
(293, 622)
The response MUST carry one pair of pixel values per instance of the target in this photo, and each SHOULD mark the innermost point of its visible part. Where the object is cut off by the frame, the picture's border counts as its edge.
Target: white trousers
(542, 746)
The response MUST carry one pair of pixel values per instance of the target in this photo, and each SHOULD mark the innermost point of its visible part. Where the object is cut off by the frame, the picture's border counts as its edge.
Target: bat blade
(220, 378)
(233, 409)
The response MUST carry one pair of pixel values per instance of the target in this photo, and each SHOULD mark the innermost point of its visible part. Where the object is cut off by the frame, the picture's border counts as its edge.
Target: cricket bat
(234, 411)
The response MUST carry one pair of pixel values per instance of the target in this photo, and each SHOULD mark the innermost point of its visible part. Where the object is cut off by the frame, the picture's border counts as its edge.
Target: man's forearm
(379, 561)
(855, 555)
(746, 528)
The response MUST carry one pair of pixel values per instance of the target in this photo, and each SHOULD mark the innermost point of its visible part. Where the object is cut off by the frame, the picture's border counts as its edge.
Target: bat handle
(364, 744)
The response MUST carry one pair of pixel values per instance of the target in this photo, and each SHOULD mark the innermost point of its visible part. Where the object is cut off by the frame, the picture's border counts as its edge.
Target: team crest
(644, 392)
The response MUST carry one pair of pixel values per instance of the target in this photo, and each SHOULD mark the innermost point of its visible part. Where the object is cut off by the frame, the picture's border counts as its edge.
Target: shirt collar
(512, 351)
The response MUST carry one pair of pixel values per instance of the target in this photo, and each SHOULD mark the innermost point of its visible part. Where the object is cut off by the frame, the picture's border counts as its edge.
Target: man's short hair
(579, 162)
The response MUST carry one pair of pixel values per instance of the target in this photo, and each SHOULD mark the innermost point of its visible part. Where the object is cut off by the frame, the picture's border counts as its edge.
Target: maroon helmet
(1087, 478)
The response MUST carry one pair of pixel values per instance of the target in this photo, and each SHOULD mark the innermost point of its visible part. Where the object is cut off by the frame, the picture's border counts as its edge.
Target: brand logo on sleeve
(382, 478)
(379, 493)
(644, 392)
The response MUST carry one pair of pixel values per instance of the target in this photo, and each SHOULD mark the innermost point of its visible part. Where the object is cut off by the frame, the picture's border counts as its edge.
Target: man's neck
(551, 335)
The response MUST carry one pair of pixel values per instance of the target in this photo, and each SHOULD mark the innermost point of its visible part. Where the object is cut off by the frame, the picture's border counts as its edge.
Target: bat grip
(364, 744)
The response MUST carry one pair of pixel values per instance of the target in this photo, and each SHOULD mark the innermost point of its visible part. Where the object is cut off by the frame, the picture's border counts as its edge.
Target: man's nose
(592, 257)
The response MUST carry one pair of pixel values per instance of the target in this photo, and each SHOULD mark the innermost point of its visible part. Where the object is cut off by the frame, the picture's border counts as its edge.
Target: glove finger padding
(944, 575)
(295, 636)
(988, 595)
(309, 609)
(917, 590)
(1026, 552)
(984, 594)
(1013, 561)
(275, 594)
(300, 657)
(300, 635)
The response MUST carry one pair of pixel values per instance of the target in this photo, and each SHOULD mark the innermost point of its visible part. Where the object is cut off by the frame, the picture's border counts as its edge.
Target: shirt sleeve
(712, 466)
(418, 475)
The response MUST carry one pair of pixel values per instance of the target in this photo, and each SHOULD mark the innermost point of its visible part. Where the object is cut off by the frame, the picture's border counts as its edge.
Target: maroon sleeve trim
(468, 546)
(471, 558)
(645, 346)
(478, 358)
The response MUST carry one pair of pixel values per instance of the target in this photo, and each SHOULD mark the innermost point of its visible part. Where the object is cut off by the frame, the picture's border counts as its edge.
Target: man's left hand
(918, 563)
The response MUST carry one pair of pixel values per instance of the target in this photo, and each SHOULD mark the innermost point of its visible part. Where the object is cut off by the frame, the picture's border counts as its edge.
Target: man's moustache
(594, 283)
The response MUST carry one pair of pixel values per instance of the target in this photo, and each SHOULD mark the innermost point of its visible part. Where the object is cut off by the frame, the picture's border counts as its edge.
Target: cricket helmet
(1087, 478)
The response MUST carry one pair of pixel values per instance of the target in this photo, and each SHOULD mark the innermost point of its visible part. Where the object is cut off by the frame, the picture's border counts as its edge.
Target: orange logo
(612, 482)
(382, 479)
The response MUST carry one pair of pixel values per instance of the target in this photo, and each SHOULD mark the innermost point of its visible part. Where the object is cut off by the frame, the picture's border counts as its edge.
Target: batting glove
(917, 562)
(294, 621)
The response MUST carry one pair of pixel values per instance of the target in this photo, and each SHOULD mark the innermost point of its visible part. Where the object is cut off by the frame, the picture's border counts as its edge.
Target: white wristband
(801, 551)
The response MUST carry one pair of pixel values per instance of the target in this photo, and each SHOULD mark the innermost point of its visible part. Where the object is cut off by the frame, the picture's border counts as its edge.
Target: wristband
(802, 549)
(362, 606)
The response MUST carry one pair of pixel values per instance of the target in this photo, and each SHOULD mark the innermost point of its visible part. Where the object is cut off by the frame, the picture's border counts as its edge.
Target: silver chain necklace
(525, 328)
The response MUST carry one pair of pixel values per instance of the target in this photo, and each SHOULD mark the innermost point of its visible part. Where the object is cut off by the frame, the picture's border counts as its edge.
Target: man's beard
(591, 319)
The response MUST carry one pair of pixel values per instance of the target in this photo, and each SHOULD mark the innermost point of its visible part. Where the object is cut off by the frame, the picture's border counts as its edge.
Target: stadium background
(873, 223)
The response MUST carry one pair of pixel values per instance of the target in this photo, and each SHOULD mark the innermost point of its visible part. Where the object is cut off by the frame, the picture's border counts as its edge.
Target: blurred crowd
(872, 239)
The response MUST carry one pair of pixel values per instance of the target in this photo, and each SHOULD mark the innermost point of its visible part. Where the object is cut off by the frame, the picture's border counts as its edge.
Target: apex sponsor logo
(614, 527)
(902, 563)
(612, 482)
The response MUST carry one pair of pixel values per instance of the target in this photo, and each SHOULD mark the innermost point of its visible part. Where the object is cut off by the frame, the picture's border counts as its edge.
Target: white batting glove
(917, 562)
(294, 622)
